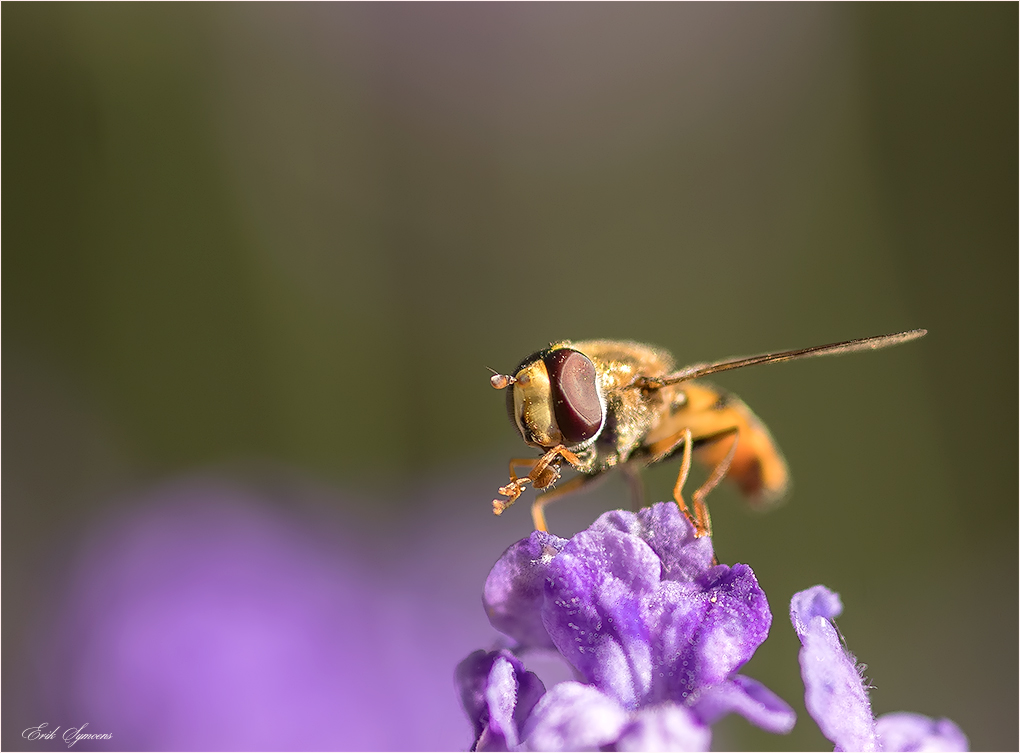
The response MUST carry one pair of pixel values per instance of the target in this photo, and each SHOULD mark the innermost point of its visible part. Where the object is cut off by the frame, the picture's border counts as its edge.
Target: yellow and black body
(599, 404)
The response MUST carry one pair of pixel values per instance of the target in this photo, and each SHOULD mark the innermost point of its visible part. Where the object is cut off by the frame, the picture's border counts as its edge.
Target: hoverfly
(601, 404)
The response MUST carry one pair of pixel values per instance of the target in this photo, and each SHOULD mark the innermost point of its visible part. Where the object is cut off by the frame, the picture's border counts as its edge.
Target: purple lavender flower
(498, 694)
(835, 693)
(653, 630)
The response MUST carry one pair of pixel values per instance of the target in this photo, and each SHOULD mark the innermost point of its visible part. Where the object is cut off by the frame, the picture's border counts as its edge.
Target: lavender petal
(497, 694)
(670, 535)
(596, 610)
(574, 716)
(834, 692)
(666, 727)
(750, 699)
(902, 731)
(515, 589)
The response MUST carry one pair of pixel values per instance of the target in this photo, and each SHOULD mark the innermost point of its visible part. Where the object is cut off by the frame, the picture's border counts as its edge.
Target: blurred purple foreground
(204, 618)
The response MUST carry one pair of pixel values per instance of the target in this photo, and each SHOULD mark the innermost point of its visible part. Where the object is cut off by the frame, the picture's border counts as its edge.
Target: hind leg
(703, 524)
(662, 449)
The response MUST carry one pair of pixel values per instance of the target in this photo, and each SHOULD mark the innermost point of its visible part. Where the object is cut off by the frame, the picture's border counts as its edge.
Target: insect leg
(544, 471)
(513, 490)
(703, 524)
(681, 479)
(665, 447)
(538, 506)
(528, 463)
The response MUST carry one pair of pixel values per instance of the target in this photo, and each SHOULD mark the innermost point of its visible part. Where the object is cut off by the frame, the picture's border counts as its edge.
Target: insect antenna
(500, 381)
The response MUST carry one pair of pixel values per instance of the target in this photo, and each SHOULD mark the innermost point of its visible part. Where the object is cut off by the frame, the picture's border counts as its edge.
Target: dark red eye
(575, 398)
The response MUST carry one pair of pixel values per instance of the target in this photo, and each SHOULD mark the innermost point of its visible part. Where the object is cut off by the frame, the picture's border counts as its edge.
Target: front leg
(544, 472)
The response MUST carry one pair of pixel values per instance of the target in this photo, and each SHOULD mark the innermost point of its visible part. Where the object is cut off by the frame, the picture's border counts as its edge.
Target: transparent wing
(850, 346)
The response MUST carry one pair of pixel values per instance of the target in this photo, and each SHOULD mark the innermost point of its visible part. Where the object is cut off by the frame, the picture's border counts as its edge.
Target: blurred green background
(296, 235)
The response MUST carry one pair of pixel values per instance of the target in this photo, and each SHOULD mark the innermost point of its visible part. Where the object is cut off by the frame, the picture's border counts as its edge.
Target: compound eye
(576, 403)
